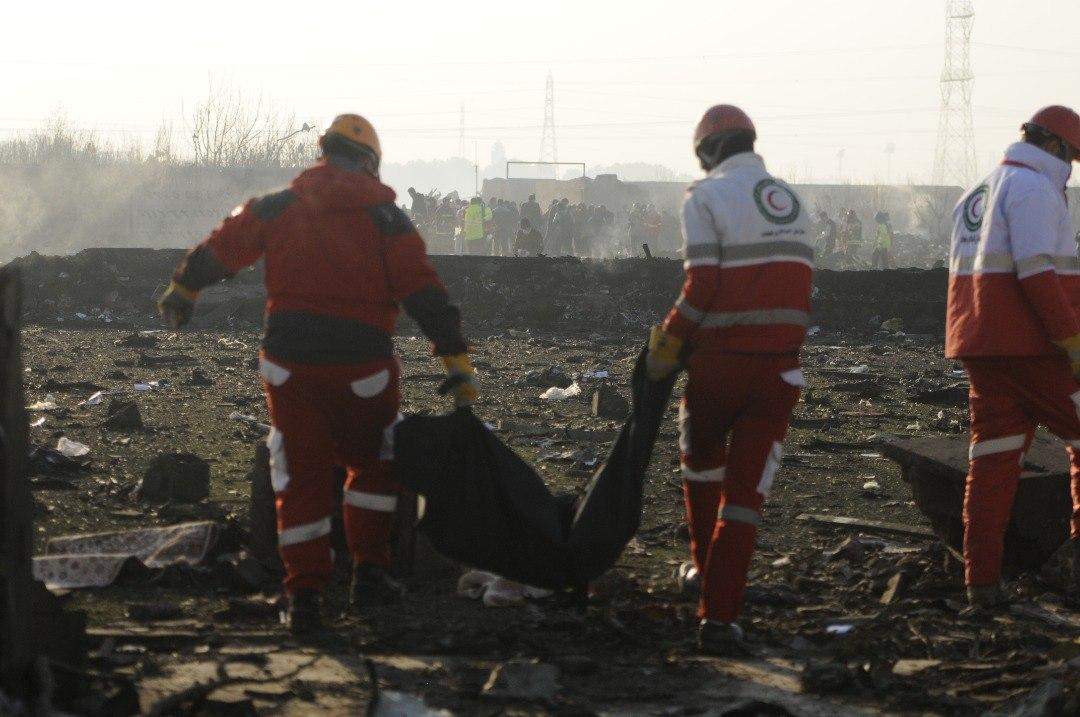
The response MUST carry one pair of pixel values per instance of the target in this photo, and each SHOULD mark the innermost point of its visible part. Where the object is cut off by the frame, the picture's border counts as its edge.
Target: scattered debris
(561, 394)
(868, 525)
(122, 416)
(523, 680)
(495, 591)
(48, 404)
(71, 449)
(175, 477)
(95, 560)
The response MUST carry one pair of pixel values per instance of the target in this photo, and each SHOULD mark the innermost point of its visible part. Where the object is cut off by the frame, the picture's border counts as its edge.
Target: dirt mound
(117, 287)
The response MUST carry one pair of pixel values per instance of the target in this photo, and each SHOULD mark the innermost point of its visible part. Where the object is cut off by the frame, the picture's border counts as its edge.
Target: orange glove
(460, 380)
(1071, 346)
(662, 359)
(177, 305)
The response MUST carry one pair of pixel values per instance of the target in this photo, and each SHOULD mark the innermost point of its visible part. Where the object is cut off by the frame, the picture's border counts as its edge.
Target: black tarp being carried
(487, 508)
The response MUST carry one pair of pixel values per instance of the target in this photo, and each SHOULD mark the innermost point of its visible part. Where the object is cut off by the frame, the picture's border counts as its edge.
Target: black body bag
(488, 509)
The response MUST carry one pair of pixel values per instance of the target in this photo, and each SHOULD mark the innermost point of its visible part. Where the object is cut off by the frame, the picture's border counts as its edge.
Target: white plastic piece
(96, 399)
(72, 449)
(561, 394)
(49, 404)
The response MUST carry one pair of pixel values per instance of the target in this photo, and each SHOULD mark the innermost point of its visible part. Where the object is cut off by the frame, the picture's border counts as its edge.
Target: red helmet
(1061, 122)
(721, 118)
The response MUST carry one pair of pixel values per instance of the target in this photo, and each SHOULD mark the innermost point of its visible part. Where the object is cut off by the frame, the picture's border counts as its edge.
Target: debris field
(135, 427)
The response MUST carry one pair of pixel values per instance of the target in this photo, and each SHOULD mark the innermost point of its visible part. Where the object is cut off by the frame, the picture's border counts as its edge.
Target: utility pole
(954, 162)
(549, 150)
(890, 150)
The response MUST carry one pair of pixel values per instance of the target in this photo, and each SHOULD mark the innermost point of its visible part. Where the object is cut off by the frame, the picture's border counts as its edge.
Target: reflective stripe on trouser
(371, 499)
(1009, 397)
(732, 423)
(323, 417)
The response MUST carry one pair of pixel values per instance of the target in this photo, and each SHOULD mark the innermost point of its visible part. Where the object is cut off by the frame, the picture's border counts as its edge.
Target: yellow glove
(1071, 346)
(460, 380)
(662, 360)
(177, 305)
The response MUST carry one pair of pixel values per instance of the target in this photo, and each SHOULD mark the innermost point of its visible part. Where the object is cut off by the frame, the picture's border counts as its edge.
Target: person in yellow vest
(474, 229)
(883, 248)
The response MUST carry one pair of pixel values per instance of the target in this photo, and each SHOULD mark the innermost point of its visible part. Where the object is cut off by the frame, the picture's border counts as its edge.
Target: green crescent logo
(777, 203)
(975, 208)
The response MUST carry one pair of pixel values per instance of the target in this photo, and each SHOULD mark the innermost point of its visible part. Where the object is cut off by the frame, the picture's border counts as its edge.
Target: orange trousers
(1009, 397)
(733, 421)
(322, 417)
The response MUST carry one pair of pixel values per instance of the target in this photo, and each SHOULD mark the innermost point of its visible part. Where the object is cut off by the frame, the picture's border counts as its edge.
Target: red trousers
(733, 422)
(1009, 397)
(322, 417)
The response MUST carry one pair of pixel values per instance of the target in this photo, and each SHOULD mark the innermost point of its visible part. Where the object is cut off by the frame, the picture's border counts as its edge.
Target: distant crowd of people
(846, 245)
(501, 227)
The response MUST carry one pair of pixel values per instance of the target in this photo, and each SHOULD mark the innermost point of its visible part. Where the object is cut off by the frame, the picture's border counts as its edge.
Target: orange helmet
(1061, 122)
(355, 129)
(721, 118)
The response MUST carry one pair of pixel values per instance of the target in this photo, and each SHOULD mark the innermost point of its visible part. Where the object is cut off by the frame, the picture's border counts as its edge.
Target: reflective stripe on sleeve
(739, 514)
(762, 317)
(371, 501)
(683, 307)
(304, 533)
(1004, 264)
(704, 250)
(982, 264)
(996, 445)
(713, 475)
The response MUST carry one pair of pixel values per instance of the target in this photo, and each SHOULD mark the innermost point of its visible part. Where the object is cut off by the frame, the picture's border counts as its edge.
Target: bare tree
(228, 130)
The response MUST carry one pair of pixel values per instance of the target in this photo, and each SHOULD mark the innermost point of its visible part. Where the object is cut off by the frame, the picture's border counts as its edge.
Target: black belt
(302, 337)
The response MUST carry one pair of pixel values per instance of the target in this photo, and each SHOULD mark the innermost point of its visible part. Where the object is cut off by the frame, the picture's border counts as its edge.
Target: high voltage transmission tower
(954, 162)
(549, 150)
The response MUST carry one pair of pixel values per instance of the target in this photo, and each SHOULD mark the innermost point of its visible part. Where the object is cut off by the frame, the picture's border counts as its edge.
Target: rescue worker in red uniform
(1014, 320)
(340, 257)
(738, 326)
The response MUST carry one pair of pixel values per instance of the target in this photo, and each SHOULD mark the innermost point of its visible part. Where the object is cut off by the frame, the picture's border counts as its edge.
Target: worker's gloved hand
(177, 305)
(460, 380)
(663, 357)
(1071, 346)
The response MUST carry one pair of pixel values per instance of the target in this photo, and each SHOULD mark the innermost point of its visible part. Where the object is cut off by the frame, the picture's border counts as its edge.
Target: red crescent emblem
(976, 206)
(769, 199)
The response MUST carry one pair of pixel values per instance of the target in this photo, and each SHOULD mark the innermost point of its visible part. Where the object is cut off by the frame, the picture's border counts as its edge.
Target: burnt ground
(828, 634)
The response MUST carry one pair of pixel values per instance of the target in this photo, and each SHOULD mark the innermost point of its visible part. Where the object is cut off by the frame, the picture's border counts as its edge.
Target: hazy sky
(631, 78)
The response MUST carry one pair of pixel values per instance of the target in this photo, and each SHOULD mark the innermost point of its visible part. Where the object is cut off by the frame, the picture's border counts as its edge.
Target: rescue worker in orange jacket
(1013, 318)
(742, 318)
(340, 257)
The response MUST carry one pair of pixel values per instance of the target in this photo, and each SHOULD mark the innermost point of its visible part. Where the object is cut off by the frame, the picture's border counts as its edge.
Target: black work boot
(723, 639)
(303, 616)
(986, 597)
(372, 586)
